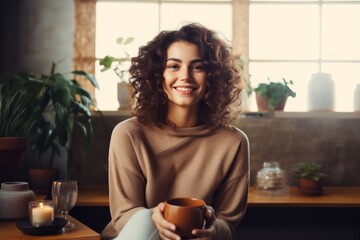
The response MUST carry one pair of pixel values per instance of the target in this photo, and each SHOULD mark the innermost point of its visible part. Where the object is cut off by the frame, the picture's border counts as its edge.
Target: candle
(41, 213)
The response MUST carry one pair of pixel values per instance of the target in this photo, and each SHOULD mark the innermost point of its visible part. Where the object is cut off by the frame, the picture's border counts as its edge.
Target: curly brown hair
(223, 78)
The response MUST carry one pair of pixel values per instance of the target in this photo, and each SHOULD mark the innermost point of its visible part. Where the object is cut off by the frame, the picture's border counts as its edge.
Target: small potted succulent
(309, 177)
(272, 96)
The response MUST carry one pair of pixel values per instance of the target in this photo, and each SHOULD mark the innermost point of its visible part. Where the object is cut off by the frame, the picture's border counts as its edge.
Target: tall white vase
(321, 92)
(357, 98)
(123, 95)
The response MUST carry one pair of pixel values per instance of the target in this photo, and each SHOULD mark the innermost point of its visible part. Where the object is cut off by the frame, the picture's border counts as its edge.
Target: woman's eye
(173, 66)
(198, 68)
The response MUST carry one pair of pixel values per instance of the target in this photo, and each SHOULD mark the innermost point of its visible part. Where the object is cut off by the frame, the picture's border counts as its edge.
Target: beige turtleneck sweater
(148, 165)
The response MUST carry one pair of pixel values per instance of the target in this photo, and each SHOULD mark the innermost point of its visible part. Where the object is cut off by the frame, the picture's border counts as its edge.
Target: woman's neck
(183, 117)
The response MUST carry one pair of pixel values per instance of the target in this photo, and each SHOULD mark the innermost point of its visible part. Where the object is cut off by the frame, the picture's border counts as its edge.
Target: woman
(180, 143)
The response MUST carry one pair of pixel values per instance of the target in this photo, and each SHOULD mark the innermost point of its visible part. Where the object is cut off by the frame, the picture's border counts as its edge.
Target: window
(293, 39)
(289, 39)
(143, 20)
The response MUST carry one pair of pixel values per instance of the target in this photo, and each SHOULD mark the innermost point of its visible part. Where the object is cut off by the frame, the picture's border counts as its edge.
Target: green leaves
(47, 105)
(108, 61)
(309, 170)
(275, 92)
(88, 76)
(127, 41)
(19, 107)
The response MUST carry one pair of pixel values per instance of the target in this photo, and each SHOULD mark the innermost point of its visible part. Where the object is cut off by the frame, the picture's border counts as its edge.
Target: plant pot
(263, 104)
(41, 179)
(123, 95)
(310, 187)
(12, 150)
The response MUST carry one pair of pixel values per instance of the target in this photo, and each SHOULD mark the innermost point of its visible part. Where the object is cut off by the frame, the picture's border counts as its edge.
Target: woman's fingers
(165, 228)
(209, 216)
(209, 231)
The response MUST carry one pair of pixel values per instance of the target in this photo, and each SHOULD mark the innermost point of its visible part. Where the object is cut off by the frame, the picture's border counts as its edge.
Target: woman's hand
(209, 231)
(166, 229)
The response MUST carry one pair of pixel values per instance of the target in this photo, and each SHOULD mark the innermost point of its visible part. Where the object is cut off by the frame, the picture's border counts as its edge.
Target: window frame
(240, 27)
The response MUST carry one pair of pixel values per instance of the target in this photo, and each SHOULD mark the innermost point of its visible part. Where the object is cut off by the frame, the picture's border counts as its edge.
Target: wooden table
(332, 197)
(9, 231)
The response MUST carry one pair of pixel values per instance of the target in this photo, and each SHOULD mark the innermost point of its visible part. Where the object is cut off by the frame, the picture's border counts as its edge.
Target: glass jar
(271, 180)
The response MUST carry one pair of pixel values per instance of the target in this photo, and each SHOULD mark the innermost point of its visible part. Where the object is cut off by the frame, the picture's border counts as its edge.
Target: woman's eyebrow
(173, 59)
(179, 60)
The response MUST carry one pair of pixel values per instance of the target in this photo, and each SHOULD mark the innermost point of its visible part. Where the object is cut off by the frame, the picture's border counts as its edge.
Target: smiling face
(184, 76)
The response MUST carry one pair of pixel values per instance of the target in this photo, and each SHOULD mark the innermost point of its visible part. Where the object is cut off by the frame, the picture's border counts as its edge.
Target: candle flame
(41, 205)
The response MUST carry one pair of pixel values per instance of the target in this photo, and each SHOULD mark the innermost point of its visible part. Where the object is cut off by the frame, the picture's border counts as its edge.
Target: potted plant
(120, 67)
(57, 104)
(272, 96)
(19, 110)
(309, 177)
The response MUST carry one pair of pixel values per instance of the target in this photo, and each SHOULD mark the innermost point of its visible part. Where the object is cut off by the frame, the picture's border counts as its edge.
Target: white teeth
(184, 89)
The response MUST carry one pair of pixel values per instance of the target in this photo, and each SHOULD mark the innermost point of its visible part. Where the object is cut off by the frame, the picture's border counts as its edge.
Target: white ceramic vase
(357, 98)
(123, 95)
(321, 92)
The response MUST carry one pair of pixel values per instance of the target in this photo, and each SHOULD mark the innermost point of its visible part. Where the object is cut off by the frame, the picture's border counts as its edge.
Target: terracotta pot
(263, 104)
(41, 179)
(12, 150)
(310, 187)
(186, 213)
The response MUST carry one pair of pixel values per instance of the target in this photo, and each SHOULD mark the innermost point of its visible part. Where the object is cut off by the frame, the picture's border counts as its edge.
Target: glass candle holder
(41, 212)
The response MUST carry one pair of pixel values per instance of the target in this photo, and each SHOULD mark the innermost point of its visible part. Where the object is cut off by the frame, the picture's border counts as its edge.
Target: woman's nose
(184, 74)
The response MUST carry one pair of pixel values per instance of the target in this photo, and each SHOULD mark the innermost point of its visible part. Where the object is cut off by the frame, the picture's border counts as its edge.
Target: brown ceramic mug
(186, 213)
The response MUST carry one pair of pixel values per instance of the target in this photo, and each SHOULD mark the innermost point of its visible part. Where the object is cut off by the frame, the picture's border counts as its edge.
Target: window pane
(141, 21)
(172, 16)
(341, 32)
(120, 19)
(287, 31)
(300, 73)
(345, 76)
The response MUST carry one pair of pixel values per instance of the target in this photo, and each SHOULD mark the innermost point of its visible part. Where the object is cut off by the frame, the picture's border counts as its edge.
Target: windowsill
(277, 114)
(280, 114)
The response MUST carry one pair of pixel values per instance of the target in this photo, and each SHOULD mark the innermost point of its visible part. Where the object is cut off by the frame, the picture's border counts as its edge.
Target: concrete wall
(333, 142)
(36, 33)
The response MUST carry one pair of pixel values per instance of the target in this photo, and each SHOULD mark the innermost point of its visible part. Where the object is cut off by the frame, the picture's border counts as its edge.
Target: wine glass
(64, 193)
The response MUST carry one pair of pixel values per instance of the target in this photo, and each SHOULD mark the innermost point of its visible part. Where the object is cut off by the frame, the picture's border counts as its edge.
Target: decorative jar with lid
(14, 200)
(271, 180)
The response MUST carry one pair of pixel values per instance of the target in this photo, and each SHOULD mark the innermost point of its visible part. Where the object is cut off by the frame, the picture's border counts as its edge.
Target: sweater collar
(200, 130)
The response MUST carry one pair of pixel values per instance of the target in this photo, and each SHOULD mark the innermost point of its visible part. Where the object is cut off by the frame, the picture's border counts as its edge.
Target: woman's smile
(185, 90)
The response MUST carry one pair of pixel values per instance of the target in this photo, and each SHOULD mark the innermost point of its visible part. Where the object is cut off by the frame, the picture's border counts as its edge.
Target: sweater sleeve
(126, 182)
(230, 200)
